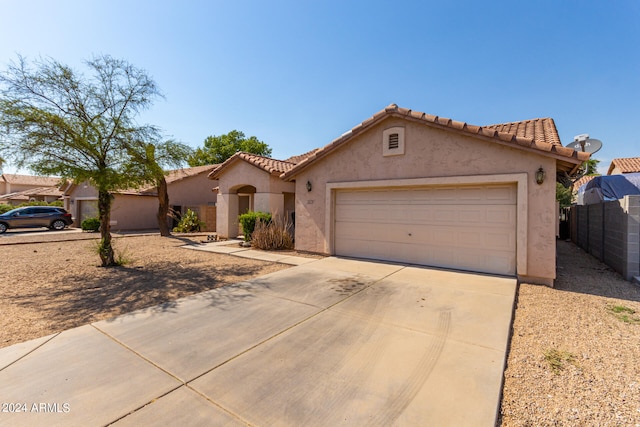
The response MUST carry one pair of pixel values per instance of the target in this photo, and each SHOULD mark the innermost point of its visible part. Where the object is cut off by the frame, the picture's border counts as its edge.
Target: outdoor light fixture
(309, 186)
(540, 175)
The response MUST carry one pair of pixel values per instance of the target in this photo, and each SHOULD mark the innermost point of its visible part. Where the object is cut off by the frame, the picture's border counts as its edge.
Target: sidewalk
(331, 342)
(232, 247)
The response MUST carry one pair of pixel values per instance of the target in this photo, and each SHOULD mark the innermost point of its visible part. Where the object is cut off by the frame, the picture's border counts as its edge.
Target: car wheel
(58, 225)
(3, 227)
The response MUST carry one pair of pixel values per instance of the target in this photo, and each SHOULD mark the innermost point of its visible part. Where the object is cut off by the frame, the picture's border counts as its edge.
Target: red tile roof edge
(552, 147)
(267, 164)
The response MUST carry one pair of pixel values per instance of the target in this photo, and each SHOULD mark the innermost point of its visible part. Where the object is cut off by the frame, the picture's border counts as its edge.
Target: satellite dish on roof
(584, 143)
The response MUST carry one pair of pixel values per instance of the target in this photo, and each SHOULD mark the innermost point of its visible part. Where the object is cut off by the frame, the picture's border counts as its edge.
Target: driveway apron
(331, 342)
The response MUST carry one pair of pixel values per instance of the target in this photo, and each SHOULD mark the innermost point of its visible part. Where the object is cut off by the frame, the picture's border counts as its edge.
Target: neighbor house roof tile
(38, 181)
(171, 177)
(625, 165)
(581, 181)
(27, 194)
(536, 134)
(179, 174)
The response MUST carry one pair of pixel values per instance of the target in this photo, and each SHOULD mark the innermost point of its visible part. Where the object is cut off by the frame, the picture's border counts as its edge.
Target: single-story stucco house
(410, 187)
(252, 182)
(136, 209)
(16, 188)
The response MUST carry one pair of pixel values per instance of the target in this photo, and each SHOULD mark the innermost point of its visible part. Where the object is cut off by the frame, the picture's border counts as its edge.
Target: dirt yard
(50, 287)
(574, 357)
(575, 350)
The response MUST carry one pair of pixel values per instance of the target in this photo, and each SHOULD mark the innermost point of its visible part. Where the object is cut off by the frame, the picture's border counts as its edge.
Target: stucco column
(269, 202)
(227, 215)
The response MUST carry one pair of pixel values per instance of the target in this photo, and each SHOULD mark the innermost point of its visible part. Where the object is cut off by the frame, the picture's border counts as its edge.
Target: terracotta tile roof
(27, 194)
(171, 177)
(537, 135)
(625, 165)
(36, 181)
(539, 130)
(267, 164)
(583, 180)
(178, 174)
(299, 158)
(150, 190)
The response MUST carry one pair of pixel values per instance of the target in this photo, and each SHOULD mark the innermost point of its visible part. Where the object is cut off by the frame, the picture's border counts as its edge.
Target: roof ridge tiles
(539, 134)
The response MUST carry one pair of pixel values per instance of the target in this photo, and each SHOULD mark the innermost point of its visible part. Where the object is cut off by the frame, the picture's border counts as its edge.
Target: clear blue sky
(298, 73)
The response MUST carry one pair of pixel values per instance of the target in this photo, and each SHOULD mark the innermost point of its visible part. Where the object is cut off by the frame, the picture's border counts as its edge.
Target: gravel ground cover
(48, 287)
(574, 358)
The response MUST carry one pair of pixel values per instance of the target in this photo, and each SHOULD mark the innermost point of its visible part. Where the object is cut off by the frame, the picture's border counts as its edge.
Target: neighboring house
(136, 209)
(16, 189)
(575, 188)
(411, 187)
(252, 182)
(624, 165)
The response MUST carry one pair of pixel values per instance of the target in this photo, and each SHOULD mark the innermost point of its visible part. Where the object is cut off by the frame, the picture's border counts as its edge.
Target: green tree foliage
(564, 195)
(147, 162)
(592, 166)
(57, 121)
(189, 223)
(217, 149)
(248, 221)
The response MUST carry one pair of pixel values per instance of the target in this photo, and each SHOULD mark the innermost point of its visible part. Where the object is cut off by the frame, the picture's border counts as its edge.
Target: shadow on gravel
(81, 299)
(580, 272)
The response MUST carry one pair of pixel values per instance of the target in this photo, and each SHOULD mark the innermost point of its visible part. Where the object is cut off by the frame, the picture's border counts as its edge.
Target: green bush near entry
(248, 222)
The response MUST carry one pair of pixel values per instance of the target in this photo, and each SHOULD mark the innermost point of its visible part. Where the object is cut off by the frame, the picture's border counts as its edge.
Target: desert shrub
(121, 257)
(189, 223)
(248, 221)
(90, 224)
(272, 235)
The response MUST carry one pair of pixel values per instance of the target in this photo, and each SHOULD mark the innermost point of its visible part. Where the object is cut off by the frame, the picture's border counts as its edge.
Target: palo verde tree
(147, 162)
(57, 121)
(217, 149)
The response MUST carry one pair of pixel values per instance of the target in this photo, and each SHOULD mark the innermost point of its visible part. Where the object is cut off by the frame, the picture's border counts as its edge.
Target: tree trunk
(163, 207)
(104, 210)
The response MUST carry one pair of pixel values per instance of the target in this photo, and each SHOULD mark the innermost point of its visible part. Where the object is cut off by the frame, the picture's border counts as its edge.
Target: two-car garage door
(463, 227)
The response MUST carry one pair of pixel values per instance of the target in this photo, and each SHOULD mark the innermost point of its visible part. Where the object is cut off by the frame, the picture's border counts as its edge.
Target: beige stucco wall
(136, 212)
(616, 171)
(430, 153)
(83, 191)
(130, 212)
(196, 190)
(268, 197)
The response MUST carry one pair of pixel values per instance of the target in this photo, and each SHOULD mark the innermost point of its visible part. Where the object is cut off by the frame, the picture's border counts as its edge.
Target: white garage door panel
(470, 228)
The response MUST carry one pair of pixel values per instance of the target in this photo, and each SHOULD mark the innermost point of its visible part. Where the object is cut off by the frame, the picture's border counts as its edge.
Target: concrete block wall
(614, 237)
(610, 231)
(582, 238)
(631, 256)
(596, 230)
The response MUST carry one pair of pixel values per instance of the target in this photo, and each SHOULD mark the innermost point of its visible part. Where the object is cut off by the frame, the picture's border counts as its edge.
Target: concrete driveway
(331, 342)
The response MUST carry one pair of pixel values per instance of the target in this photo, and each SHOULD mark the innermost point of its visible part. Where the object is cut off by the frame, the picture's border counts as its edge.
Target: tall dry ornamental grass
(272, 235)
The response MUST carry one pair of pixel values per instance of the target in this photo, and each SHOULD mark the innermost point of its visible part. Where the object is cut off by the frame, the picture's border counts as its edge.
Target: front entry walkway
(331, 342)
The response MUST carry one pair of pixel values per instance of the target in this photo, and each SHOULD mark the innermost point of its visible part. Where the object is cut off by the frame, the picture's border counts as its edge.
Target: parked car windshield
(33, 210)
(12, 211)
